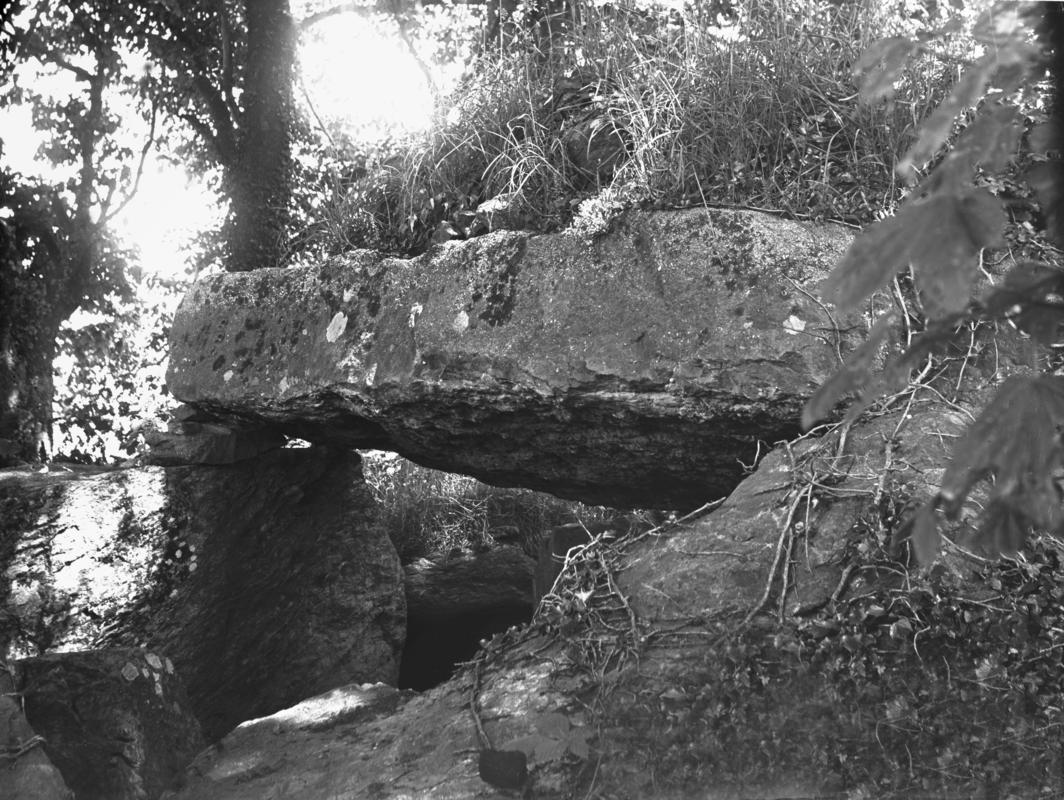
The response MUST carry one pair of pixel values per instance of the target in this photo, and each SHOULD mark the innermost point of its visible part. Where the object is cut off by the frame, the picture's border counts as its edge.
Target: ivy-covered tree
(225, 68)
(55, 252)
(216, 89)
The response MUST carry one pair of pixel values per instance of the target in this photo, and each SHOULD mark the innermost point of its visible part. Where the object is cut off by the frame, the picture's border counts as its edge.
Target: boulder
(115, 722)
(264, 582)
(639, 369)
(768, 648)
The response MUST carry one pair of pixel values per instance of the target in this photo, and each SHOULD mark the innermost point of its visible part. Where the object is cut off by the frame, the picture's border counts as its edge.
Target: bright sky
(354, 71)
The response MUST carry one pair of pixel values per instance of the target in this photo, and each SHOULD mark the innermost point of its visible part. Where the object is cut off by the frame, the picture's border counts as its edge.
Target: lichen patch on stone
(337, 326)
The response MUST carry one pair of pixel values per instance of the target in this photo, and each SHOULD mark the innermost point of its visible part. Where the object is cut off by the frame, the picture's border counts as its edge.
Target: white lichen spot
(129, 672)
(153, 660)
(349, 295)
(371, 373)
(337, 326)
(461, 322)
(228, 376)
(794, 325)
(283, 385)
(415, 312)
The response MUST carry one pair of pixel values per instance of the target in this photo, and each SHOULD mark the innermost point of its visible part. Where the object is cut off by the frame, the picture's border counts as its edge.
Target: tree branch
(37, 49)
(140, 165)
(364, 10)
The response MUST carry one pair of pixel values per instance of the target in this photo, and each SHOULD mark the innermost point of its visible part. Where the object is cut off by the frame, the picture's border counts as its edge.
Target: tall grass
(659, 108)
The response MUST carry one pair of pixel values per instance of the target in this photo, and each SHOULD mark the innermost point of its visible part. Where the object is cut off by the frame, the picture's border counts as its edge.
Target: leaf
(1016, 439)
(1032, 296)
(579, 746)
(939, 237)
(553, 724)
(1002, 529)
(991, 140)
(923, 534)
(550, 750)
(853, 375)
(880, 65)
(935, 338)
(1005, 66)
(528, 744)
(935, 130)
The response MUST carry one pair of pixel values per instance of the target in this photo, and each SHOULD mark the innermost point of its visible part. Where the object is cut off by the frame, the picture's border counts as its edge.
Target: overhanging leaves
(880, 65)
(854, 374)
(1017, 440)
(1002, 529)
(940, 237)
(1006, 65)
(1032, 296)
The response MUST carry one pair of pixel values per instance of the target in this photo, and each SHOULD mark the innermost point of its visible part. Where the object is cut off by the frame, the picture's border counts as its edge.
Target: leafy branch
(939, 233)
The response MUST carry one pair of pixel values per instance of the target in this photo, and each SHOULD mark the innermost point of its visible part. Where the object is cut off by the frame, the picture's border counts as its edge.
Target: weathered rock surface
(649, 677)
(115, 722)
(635, 370)
(189, 440)
(28, 773)
(454, 603)
(265, 582)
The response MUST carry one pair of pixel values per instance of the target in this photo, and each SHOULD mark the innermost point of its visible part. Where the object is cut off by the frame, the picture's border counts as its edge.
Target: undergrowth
(657, 108)
(426, 511)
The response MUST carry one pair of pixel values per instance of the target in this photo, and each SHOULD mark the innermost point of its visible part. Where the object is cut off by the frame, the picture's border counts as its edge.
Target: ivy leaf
(939, 236)
(880, 65)
(553, 724)
(1016, 439)
(854, 374)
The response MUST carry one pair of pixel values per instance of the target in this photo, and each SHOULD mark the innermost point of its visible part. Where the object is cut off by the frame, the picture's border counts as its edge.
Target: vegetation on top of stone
(657, 107)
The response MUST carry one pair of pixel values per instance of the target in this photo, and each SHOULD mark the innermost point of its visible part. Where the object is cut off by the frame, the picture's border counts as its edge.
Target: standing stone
(265, 581)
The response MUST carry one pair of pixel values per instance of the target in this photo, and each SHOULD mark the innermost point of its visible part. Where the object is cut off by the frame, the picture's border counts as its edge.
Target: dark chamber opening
(434, 645)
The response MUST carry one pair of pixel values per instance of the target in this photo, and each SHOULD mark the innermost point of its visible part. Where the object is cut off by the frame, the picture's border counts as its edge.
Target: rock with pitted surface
(264, 581)
(636, 370)
(115, 722)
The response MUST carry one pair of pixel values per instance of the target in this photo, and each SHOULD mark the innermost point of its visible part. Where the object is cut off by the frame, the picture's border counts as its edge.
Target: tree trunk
(260, 181)
(38, 290)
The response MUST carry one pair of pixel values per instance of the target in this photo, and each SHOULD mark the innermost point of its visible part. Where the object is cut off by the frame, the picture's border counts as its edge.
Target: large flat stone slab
(635, 370)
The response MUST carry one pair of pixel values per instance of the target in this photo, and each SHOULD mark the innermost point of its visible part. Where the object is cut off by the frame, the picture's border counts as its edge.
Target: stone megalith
(264, 581)
(635, 369)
